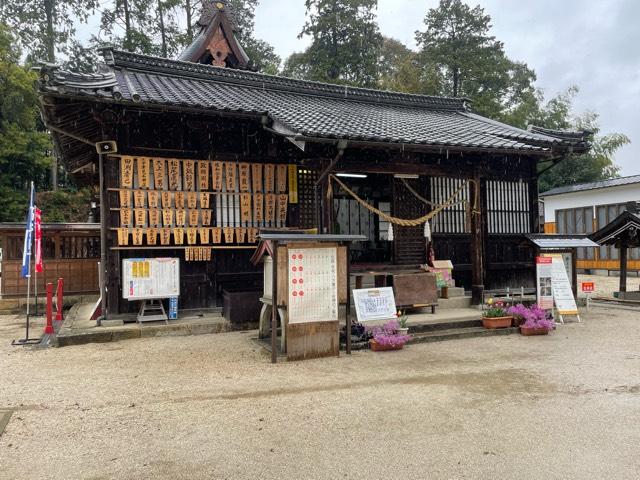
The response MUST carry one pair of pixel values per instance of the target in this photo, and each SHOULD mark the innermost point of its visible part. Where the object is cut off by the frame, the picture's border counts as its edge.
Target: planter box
(533, 331)
(496, 322)
(376, 347)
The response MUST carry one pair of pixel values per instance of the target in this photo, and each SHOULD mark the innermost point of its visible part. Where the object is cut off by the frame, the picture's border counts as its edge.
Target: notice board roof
(546, 241)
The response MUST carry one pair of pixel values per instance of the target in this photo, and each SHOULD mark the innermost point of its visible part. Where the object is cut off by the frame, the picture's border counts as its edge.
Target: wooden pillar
(326, 202)
(477, 242)
(623, 267)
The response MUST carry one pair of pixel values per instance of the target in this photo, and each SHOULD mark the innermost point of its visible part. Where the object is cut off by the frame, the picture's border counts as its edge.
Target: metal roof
(78, 226)
(302, 110)
(557, 242)
(305, 237)
(581, 187)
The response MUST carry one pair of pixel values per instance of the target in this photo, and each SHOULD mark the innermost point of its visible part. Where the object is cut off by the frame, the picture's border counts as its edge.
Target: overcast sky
(594, 44)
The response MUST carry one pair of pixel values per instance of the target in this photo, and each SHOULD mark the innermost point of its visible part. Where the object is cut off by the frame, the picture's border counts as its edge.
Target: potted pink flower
(496, 316)
(534, 320)
(387, 337)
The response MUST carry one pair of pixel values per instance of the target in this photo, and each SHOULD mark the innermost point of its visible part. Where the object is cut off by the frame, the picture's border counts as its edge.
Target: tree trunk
(189, 13)
(163, 33)
(127, 44)
(50, 41)
(456, 80)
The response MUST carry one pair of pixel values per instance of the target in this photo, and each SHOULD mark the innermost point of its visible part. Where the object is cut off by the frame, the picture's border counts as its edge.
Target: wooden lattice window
(307, 197)
(452, 219)
(508, 209)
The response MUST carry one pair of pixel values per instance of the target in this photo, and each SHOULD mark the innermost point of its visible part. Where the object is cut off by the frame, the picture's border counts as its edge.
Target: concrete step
(455, 302)
(455, 292)
(459, 333)
(444, 325)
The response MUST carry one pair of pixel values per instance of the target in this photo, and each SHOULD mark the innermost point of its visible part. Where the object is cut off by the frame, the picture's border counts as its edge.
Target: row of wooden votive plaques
(192, 236)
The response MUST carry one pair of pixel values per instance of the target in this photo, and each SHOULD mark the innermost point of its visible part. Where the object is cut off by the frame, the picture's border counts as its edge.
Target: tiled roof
(581, 187)
(301, 108)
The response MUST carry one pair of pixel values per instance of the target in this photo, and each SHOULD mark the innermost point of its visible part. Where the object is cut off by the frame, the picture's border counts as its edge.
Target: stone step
(455, 302)
(444, 325)
(459, 333)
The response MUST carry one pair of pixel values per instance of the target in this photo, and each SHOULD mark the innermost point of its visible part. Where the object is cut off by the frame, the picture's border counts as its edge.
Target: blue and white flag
(28, 238)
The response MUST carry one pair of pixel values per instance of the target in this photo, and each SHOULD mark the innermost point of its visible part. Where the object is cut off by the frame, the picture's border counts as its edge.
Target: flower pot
(533, 331)
(403, 331)
(496, 322)
(377, 347)
(517, 321)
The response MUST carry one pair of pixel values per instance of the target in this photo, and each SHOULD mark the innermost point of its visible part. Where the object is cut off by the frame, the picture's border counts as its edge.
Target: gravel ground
(213, 407)
(605, 286)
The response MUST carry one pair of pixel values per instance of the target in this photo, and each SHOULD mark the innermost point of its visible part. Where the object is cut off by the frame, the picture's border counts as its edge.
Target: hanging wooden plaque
(269, 177)
(165, 236)
(166, 199)
(203, 175)
(189, 170)
(154, 217)
(270, 207)
(230, 176)
(153, 199)
(206, 218)
(152, 236)
(144, 172)
(293, 184)
(204, 235)
(252, 235)
(178, 236)
(281, 178)
(187, 254)
(193, 218)
(216, 176)
(245, 207)
(138, 198)
(258, 207)
(283, 204)
(167, 217)
(141, 217)
(204, 200)
(174, 174)
(192, 236)
(208, 254)
(125, 217)
(158, 173)
(181, 217)
(138, 234)
(256, 177)
(243, 175)
(228, 234)
(192, 199)
(125, 198)
(179, 198)
(126, 172)
(216, 235)
(241, 234)
(123, 236)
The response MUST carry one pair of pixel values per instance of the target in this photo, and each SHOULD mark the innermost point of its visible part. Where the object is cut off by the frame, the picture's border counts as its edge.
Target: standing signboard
(374, 304)
(544, 285)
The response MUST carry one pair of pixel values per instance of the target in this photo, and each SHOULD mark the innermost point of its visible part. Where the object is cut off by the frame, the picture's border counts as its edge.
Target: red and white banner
(38, 238)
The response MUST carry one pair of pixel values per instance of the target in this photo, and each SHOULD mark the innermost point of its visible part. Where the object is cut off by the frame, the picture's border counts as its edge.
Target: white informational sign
(150, 278)
(544, 282)
(375, 304)
(562, 292)
(313, 285)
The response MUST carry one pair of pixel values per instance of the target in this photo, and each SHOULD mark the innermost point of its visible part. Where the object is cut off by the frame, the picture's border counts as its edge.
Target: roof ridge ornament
(216, 42)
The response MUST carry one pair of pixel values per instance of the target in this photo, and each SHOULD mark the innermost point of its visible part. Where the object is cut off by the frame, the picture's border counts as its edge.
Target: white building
(587, 207)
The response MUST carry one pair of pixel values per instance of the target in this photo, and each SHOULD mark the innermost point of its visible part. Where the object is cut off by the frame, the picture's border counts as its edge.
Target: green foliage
(471, 62)
(24, 146)
(345, 43)
(45, 27)
(64, 205)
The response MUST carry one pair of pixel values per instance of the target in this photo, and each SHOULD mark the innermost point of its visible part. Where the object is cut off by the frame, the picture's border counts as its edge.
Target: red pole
(60, 300)
(49, 327)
